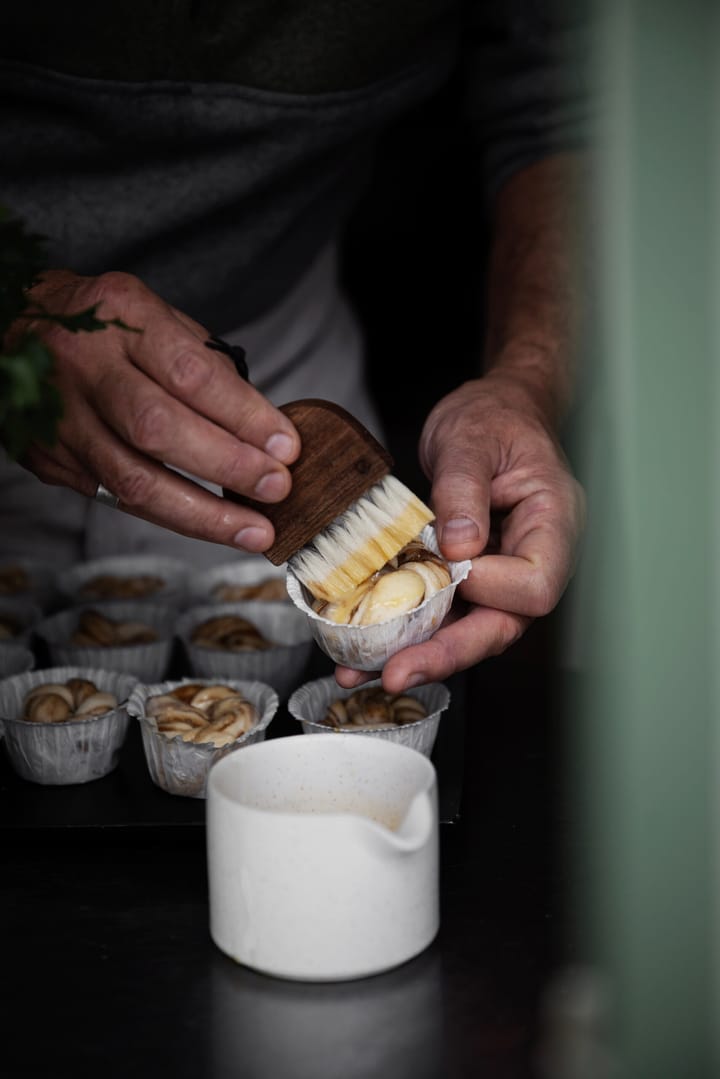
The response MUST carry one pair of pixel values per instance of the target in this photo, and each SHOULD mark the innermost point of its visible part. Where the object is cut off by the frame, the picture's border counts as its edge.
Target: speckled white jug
(323, 856)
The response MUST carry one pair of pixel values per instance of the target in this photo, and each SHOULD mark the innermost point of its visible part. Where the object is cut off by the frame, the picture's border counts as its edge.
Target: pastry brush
(346, 515)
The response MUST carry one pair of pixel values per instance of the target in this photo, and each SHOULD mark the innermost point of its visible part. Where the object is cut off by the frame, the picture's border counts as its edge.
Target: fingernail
(459, 530)
(281, 447)
(273, 485)
(415, 679)
(351, 681)
(251, 539)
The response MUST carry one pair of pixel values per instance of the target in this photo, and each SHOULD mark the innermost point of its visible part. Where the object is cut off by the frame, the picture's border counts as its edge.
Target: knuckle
(189, 372)
(542, 596)
(509, 632)
(116, 293)
(134, 487)
(149, 427)
(219, 526)
(234, 474)
(216, 525)
(116, 283)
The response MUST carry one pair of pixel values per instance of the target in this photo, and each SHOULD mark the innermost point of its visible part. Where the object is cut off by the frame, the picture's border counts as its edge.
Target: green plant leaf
(83, 321)
(30, 405)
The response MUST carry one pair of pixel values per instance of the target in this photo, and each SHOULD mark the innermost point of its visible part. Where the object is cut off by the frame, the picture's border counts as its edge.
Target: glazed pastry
(55, 702)
(372, 708)
(410, 578)
(13, 579)
(111, 586)
(229, 632)
(217, 714)
(271, 588)
(96, 629)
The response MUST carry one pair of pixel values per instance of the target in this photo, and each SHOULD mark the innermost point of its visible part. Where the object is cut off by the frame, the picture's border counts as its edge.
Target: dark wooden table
(109, 969)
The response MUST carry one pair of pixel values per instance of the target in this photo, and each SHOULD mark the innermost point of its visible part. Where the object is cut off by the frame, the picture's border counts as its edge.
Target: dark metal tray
(127, 802)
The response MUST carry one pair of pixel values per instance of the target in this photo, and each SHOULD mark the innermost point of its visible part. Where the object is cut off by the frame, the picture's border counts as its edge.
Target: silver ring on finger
(105, 497)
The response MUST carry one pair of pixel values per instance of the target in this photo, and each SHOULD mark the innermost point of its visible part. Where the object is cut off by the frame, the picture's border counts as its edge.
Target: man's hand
(490, 447)
(492, 458)
(136, 402)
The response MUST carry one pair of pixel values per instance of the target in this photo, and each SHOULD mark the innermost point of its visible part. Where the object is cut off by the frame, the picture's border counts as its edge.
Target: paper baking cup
(77, 751)
(15, 658)
(281, 666)
(26, 612)
(368, 648)
(309, 703)
(146, 662)
(173, 572)
(245, 570)
(42, 589)
(180, 767)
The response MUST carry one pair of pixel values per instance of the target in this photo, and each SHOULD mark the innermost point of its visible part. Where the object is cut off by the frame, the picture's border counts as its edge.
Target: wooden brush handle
(339, 461)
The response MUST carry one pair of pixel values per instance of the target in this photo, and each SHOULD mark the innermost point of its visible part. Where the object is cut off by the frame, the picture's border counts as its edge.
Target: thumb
(460, 498)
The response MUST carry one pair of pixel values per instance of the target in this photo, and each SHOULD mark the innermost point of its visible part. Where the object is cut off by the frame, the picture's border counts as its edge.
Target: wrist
(531, 378)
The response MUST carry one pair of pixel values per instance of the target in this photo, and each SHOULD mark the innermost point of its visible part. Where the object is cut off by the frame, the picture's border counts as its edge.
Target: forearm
(534, 289)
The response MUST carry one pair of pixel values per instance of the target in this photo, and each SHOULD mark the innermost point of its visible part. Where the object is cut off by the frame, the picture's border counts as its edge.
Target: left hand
(488, 449)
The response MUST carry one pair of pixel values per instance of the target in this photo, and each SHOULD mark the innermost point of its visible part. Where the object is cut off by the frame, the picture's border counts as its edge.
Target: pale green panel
(647, 752)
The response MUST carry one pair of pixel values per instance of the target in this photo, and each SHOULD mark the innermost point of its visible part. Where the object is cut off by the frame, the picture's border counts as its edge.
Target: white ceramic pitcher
(323, 856)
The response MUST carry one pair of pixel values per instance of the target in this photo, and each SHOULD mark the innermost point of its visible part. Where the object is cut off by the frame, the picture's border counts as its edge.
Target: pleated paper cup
(76, 751)
(180, 767)
(309, 703)
(146, 662)
(41, 586)
(281, 666)
(74, 583)
(368, 648)
(24, 615)
(242, 572)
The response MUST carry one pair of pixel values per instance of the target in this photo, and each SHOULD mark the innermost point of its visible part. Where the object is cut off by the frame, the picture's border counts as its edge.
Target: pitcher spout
(414, 831)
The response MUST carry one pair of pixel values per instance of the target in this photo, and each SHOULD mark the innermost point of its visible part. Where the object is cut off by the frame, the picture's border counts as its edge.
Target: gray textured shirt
(215, 149)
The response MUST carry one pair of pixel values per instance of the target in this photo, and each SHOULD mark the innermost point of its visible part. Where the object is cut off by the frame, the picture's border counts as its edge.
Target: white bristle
(361, 540)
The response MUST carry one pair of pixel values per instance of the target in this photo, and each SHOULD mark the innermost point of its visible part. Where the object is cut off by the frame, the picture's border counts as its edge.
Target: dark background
(131, 909)
(415, 267)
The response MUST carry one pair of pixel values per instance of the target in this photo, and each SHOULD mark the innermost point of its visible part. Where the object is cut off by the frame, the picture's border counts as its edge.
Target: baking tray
(127, 803)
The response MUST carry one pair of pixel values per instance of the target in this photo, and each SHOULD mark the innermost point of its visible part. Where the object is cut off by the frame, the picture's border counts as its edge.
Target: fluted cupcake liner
(309, 703)
(244, 570)
(146, 662)
(180, 767)
(75, 751)
(282, 666)
(172, 571)
(42, 581)
(368, 648)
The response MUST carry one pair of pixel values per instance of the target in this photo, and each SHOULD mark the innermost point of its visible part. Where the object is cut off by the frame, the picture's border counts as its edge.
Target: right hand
(136, 402)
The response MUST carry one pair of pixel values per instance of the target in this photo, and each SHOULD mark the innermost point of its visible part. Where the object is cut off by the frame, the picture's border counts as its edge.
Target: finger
(349, 678)
(481, 633)
(192, 511)
(176, 359)
(146, 489)
(460, 498)
(59, 467)
(538, 552)
(160, 426)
